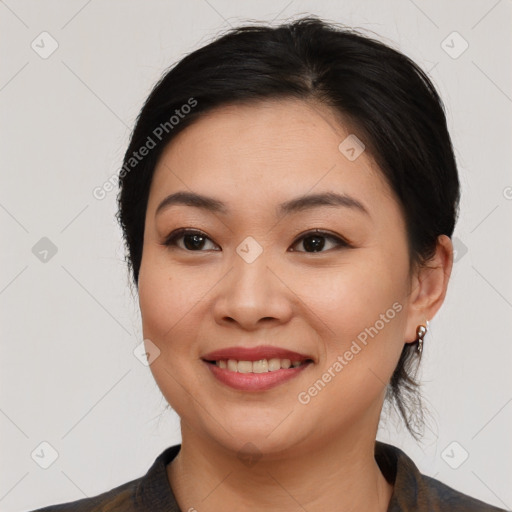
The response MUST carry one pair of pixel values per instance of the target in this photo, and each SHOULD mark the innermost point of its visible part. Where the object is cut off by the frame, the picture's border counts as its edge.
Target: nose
(253, 295)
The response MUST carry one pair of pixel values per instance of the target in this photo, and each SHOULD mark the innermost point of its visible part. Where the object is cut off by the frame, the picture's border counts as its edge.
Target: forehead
(268, 150)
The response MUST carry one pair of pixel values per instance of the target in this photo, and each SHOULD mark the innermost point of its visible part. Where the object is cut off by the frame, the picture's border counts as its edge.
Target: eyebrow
(298, 204)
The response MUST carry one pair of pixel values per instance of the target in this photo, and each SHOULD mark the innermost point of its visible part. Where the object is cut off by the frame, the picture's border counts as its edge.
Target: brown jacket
(412, 490)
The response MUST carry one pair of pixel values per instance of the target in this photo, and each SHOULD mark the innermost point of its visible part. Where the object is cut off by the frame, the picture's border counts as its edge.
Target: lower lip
(255, 381)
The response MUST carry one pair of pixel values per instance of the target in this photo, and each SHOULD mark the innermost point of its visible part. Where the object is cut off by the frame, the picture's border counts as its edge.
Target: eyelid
(170, 240)
(323, 232)
(338, 239)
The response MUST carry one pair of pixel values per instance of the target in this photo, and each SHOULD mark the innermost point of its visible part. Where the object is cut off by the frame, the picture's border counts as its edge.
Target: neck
(339, 475)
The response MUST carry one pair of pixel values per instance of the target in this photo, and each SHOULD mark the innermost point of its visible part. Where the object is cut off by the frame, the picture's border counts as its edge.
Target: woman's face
(255, 280)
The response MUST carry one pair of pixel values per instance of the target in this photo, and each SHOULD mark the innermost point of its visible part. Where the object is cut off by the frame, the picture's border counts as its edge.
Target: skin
(318, 455)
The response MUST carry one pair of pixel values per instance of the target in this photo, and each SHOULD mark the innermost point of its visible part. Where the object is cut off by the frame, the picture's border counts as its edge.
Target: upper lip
(254, 354)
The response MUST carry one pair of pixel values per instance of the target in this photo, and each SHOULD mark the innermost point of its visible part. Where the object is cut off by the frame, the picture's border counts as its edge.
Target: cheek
(165, 296)
(353, 296)
(363, 304)
(155, 298)
(166, 303)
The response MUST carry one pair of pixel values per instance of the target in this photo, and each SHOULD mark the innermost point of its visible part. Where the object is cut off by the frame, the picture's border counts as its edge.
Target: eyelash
(171, 240)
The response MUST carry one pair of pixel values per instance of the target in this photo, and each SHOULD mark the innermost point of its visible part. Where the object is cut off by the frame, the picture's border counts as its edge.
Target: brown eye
(314, 241)
(193, 240)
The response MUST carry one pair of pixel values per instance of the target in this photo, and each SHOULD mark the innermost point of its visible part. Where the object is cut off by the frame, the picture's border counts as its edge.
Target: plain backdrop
(70, 323)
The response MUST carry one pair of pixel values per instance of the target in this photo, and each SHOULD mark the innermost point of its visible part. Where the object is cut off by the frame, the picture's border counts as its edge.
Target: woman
(287, 201)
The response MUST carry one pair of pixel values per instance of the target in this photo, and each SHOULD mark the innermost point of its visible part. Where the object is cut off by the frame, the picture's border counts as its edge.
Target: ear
(428, 287)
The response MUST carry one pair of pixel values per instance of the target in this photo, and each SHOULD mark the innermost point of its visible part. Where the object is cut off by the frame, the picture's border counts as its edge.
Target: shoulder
(413, 491)
(147, 493)
(447, 499)
(121, 498)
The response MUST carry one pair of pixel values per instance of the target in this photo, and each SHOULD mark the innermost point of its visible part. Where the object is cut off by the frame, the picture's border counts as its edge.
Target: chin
(261, 438)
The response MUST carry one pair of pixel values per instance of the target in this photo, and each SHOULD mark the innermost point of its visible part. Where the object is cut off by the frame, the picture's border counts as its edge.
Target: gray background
(70, 323)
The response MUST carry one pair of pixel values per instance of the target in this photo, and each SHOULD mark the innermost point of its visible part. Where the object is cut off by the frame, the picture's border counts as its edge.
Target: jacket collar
(154, 491)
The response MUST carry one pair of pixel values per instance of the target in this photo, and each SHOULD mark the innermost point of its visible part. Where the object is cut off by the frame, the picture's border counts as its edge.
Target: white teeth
(244, 366)
(274, 364)
(261, 366)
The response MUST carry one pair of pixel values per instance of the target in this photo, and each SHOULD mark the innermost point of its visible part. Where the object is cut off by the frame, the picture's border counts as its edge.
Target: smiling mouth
(260, 366)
